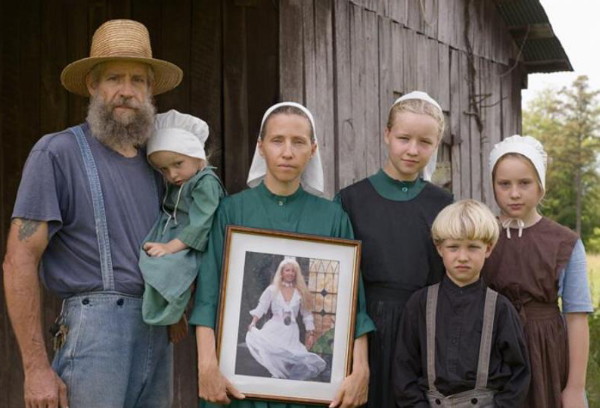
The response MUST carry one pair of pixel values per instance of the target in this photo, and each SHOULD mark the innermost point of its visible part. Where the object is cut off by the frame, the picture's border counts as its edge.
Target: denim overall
(110, 358)
(480, 396)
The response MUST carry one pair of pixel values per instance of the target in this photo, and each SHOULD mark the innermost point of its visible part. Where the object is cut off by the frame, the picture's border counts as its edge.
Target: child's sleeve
(208, 281)
(407, 367)
(511, 345)
(573, 284)
(206, 195)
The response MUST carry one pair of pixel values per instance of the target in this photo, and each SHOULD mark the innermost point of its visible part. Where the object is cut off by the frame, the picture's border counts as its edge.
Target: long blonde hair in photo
(307, 301)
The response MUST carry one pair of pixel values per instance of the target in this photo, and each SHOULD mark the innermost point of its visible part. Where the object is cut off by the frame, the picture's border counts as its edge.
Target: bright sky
(576, 23)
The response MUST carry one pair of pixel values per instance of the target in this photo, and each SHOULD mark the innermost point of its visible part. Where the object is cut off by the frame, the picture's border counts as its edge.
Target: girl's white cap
(179, 133)
(526, 146)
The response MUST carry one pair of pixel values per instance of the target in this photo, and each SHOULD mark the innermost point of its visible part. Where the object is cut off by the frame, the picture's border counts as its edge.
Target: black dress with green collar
(393, 220)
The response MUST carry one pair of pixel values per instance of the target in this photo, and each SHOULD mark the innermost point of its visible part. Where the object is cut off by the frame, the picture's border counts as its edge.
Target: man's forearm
(26, 242)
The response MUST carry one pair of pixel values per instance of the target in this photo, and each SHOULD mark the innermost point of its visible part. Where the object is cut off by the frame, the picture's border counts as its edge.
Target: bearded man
(86, 200)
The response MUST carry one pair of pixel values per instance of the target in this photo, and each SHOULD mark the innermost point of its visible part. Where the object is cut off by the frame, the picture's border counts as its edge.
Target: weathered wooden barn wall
(228, 52)
(349, 59)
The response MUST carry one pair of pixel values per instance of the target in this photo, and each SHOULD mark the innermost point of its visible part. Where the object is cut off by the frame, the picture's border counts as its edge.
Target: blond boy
(460, 344)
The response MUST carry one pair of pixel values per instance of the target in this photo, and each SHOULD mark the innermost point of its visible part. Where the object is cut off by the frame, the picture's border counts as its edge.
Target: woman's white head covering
(179, 133)
(526, 146)
(423, 96)
(532, 149)
(312, 179)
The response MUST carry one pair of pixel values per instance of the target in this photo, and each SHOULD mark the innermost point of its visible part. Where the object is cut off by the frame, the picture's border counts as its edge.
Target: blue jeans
(111, 358)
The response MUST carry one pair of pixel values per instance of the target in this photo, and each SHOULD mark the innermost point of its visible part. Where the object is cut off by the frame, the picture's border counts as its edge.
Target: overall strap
(430, 312)
(108, 279)
(483, 366)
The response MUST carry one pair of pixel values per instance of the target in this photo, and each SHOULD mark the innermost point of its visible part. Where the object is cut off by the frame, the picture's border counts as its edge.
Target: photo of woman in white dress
(277, 346)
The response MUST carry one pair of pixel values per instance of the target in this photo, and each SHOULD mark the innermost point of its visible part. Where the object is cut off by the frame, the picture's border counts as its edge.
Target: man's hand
(44, 389)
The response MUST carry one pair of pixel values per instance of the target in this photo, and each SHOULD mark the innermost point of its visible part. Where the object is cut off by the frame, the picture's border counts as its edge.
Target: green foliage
(568, 125)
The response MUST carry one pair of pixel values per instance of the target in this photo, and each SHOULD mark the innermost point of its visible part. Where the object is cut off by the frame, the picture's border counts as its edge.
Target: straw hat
(121, 40)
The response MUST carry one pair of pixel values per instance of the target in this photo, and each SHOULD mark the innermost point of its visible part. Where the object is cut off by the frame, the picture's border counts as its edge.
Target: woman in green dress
(285, 174)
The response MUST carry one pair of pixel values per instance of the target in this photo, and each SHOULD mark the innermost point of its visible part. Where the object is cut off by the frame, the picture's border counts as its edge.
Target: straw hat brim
(166, 75)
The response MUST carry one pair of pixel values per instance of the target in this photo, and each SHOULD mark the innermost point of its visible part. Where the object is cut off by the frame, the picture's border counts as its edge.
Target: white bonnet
(526, 146)
(423, 96)
(179, 133)
(312, 179)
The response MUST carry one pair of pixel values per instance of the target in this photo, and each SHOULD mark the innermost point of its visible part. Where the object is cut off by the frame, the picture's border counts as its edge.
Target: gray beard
(117, 133)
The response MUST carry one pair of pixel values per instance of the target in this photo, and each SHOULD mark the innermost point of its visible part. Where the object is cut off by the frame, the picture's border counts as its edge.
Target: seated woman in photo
(276, 346)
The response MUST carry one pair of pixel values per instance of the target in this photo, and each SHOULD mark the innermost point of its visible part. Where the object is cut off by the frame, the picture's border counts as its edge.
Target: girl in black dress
(392, 212)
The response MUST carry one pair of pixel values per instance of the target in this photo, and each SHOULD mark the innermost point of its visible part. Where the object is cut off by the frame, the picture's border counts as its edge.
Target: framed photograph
(285, 328)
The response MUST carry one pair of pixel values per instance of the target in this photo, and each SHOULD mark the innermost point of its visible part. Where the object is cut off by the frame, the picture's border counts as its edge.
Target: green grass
(593, 374)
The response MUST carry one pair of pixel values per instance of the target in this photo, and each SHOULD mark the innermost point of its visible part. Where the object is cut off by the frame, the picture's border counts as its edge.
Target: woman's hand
(354, 391)
(252, 323)
(214, 387)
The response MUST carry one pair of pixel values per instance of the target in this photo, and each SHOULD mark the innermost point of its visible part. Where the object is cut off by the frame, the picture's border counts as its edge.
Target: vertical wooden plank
(345, 122)
(176, 34)
(205, 74)
(5, 337)
(399, 11)
(465, 129)
(508, 114)
(235, 95)
(414, 18)
(386, 84)
(78, 46)
(443, 76)
(455, 122)
(487, 112)
(432, 84)
(262, 65)
(459, 24)
(445, 17)
(429, 17)
(519, 75)
(372, 119)
(19, 109)
(358, 70)
(475, 140)
(399, 59)
(422, 65)
(291, 58)
(53, 59)
(319, 89)
(495, 124)
(410, 54)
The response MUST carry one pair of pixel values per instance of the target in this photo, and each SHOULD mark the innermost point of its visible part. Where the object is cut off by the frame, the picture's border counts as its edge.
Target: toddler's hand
(156, 249)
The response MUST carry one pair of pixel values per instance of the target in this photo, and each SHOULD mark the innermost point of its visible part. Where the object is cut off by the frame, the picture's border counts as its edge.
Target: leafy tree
(568, 124)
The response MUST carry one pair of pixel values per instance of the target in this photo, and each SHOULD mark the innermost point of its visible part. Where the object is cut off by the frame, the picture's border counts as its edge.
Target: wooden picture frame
(271, 360)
